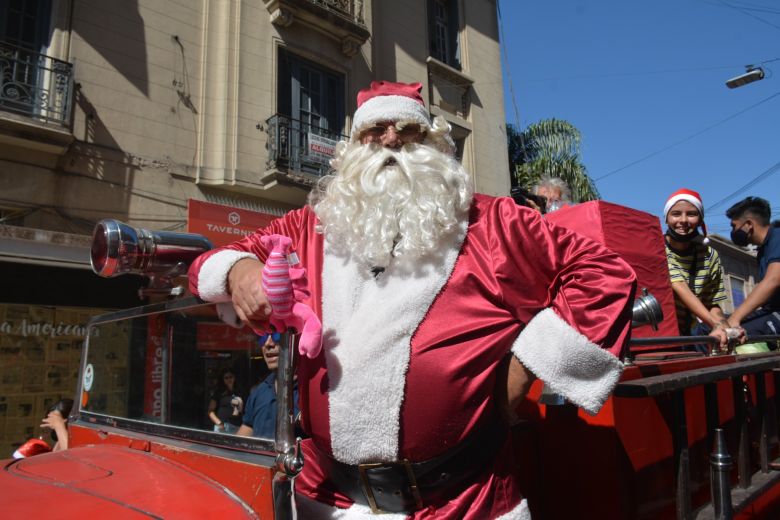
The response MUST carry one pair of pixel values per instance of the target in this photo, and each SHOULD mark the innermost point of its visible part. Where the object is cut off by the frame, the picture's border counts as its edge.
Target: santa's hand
(247, 294)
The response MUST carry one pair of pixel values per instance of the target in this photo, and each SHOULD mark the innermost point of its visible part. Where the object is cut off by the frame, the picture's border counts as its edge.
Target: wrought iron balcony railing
(35, 85)
(295, 146)
(350, 9)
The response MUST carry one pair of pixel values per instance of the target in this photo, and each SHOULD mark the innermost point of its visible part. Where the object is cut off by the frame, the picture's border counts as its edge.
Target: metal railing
(35, 85)
(726, 500)
(350, 9)
(298, 147)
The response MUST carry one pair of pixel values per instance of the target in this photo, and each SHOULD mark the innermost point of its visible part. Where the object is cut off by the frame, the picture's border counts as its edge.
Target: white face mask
(554, 205)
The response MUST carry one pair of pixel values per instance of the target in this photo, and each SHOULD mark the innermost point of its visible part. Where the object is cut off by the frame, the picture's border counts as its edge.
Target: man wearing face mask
(694, 268)
(760, 312)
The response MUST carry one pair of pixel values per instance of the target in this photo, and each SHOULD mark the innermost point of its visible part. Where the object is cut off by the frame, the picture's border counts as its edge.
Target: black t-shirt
(225, 407)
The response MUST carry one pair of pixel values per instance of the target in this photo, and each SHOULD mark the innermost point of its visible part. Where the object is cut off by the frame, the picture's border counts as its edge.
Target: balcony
(341, 20)
(36, 98)
(298, 153)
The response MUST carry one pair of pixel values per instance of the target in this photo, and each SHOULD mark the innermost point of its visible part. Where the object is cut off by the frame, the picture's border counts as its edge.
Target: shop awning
(41, 247)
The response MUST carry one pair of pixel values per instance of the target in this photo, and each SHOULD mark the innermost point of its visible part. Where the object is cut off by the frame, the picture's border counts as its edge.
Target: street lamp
(752, 74)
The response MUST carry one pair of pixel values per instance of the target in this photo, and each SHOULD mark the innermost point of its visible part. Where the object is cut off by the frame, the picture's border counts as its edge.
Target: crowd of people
(695, 270)
(696, 273)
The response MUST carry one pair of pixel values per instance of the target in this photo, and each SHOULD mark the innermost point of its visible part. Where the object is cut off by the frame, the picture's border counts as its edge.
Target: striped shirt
(708, 285)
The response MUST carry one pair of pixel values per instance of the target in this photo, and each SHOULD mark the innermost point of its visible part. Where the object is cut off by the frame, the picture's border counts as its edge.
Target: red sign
(155, 334)
(223, 224)
(218, 336)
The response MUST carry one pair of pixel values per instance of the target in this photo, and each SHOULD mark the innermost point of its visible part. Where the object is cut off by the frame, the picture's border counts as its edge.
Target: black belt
(404, 487)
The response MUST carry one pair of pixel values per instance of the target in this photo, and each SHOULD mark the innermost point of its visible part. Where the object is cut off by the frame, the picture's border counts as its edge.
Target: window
(737, 291)
(25, 23)
(443, 28)
(24, 35)
(311, 114)
(310, 94)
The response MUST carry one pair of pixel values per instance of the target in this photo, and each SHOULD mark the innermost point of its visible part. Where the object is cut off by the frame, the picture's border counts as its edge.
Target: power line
(681, 141)
(746, 13)
(506, 66)
(760, 177)
(637, 73)
(747, 6)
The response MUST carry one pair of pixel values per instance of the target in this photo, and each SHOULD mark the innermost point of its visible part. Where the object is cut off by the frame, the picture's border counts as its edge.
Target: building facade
(138, 110)
(740, 270)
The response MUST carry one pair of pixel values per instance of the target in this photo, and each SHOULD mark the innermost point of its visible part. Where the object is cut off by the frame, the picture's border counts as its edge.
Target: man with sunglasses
(439, 309)
(260, 414)
(750, 224)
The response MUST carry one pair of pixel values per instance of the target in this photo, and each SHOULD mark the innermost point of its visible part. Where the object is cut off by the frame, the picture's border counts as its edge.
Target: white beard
(383, 203)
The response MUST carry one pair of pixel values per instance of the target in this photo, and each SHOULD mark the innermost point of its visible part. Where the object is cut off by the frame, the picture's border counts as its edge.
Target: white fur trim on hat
(389, 108)
(674, 199)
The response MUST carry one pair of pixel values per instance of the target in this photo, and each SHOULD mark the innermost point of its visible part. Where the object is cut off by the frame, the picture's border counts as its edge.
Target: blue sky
(637, 77)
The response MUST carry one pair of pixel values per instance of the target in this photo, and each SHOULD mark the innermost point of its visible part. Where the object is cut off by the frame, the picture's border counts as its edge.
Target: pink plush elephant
(285, 287)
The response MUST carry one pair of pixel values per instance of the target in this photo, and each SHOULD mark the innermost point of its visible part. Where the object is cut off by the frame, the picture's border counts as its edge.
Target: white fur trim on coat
(388, 108)
(567, 361)
(212, 277)
(309, 509)
(368, 324)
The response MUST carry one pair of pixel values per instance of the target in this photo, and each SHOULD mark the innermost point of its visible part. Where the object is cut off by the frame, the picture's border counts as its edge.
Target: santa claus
(439, 308)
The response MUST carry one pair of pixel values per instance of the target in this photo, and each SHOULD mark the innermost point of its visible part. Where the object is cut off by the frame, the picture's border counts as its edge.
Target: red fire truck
(684, 435)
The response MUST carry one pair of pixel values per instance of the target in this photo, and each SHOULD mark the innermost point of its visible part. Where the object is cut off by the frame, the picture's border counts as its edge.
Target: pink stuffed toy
(285, 287)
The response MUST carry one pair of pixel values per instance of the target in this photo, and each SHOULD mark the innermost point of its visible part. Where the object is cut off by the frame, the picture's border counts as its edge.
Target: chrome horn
(118, 248)
(646, 311)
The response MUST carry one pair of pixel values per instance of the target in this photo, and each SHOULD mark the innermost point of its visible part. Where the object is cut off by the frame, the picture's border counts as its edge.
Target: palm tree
(549, 148)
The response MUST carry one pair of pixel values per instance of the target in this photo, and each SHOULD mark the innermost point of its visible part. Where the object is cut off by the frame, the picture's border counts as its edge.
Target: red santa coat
(409, 357)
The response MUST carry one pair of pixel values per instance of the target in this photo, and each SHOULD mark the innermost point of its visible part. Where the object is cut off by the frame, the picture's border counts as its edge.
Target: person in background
(57, 421)
(694, 269)
(750, 224)
(555, 190)
(226, 405)
(260, 415)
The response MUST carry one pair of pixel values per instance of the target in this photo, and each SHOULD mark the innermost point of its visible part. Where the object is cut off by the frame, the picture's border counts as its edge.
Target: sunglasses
(407, 132)
(276, 336)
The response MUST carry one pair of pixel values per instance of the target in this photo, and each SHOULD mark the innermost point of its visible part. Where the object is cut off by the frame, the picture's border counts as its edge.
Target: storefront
(49, 295)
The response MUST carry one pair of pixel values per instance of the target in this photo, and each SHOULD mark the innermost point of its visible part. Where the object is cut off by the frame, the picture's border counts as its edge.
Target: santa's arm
(575, 297)
(231, 274)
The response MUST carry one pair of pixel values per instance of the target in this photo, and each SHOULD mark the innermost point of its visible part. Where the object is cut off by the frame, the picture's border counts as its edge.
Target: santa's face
(390, 199)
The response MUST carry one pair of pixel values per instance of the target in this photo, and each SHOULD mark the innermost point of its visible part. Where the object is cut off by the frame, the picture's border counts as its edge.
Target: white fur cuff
(567, 361)
(212, 277)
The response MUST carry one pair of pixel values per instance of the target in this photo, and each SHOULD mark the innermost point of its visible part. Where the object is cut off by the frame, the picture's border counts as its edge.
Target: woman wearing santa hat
(694, 267)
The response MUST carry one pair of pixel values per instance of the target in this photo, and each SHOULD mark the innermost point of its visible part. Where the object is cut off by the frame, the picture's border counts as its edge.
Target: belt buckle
(366, 485)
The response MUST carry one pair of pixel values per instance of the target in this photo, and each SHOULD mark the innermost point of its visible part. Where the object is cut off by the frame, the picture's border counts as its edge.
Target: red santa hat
(689, 196)
(389, 101)
(31, 448)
